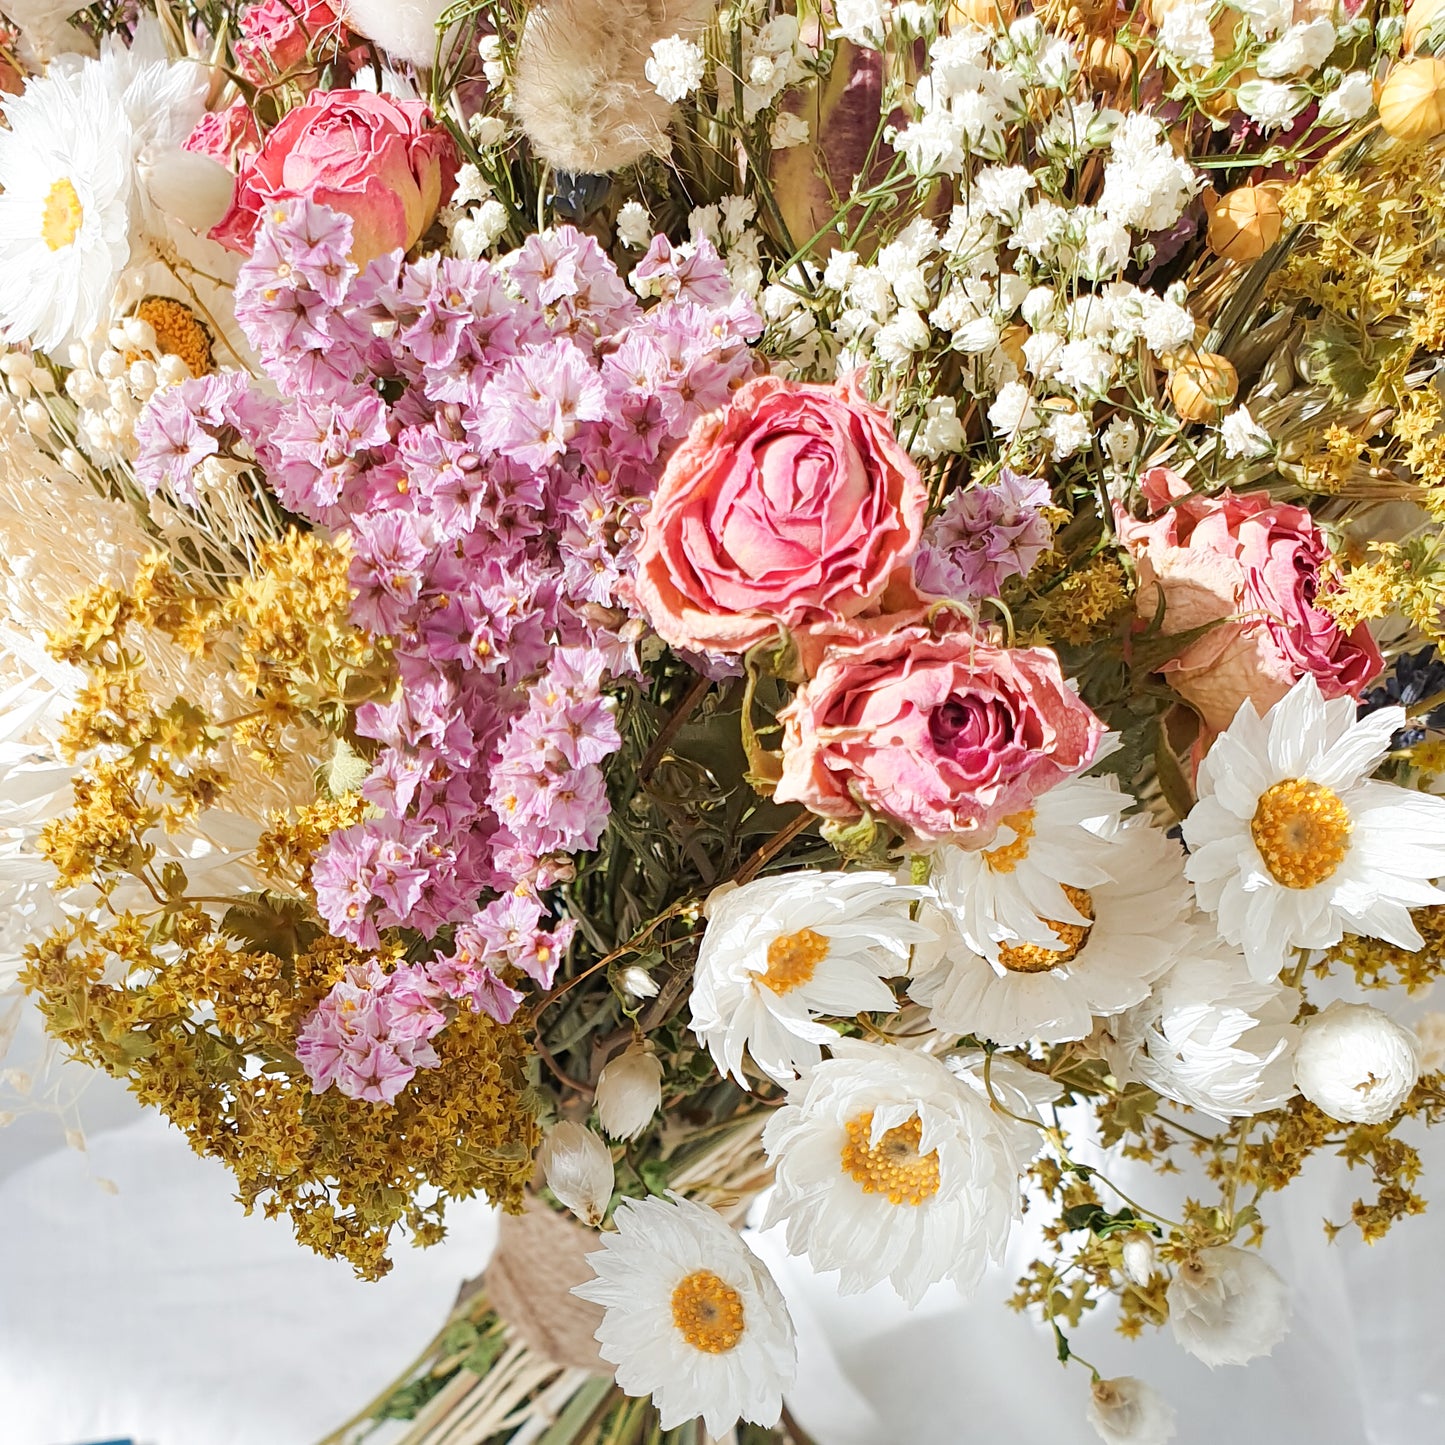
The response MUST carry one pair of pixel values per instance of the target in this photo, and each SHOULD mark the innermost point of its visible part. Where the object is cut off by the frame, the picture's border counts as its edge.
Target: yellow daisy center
(179, 332)
(793, 958)
(61, 216)
(708, 1312)
(1302, 831)
(893, 1166)
(1034, 957)
(1006, 858)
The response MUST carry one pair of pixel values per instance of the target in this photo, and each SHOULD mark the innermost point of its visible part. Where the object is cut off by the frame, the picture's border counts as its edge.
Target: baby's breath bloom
(676, 67)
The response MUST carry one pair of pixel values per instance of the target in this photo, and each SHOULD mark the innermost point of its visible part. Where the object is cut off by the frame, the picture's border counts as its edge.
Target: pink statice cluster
(486, 435)
(983, 536)
(373, 1031)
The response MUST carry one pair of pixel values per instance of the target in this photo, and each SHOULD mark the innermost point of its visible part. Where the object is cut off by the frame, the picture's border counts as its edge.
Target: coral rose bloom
(794, 505)
(942, 734)
(1253, 567)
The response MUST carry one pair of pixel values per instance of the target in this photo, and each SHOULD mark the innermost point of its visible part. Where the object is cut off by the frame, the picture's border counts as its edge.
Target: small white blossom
(1068, 432)
(1227, 1306)
(486, 130)
(1430, 1031)
(861, 21)
(476, 233)
(638, 983)
(1356, 1063)
(736, 213)
(1271, 104)
(1137, 1258)
(1126, 1411)
(705, 223)
(1121, 441)
(1000, 190)
(577, 1165)
(1301, 48)
(1013, 410)
(676, 67)
(788, 130)
(634, 226)
(1185, 34)
(1349, 101)
(941, 431)
(1242, 435)
(629, 1093)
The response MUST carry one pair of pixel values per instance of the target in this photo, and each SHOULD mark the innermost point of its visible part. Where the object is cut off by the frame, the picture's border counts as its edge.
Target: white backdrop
(158, 1311)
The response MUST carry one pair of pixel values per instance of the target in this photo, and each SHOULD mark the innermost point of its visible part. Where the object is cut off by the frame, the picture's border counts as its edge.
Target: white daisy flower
(692, 1316)
(1209, 1035)
(67, 179)
(1106, 946)
(1292, 845)
(1005, 891)
(891, 1166)
(781, 951)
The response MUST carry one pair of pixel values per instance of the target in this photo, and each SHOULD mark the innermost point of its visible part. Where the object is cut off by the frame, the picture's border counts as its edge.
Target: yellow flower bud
(1412, 100)
(1244, 224)
(1203, 385)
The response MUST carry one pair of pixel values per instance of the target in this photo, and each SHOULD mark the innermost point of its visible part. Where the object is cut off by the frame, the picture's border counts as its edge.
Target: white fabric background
(160, 1312)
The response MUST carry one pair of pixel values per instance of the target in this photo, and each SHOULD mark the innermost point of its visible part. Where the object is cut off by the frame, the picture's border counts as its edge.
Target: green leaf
(344, 773)
(271, 923)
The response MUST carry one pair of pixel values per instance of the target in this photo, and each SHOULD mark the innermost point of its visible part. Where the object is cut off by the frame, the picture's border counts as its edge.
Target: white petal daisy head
(889, 1165)
(1005, 890)
(781, 952)
(1092, 957)
(1209, 1035)
(1291, 843)
(692, 1316)
(65, 212)
(1356, 1063)
(1227, 1306)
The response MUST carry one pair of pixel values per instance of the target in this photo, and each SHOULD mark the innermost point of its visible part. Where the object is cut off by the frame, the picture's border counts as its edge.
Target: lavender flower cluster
(484, 434)
(983, 536)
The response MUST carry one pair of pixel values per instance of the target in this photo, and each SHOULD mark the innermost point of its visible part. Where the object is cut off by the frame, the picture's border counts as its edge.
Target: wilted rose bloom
(938, 731)
(276, 35)
(223, 135)
(383, 162)
(795, 505)
(1252, 567)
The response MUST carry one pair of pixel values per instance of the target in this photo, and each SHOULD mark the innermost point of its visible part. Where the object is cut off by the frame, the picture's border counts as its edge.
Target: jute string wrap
(540, 1255)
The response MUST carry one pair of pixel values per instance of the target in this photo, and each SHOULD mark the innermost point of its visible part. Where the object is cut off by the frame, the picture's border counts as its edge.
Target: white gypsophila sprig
(1227, 1306)
(1293, 844)
(692, 1316)
(889, 1165)
(779, 953)
(1356, 1063)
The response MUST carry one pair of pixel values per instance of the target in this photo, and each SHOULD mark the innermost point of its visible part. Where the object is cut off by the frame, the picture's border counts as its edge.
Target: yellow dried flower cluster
(1377, 963)
(195, 1000)
(1087, 605)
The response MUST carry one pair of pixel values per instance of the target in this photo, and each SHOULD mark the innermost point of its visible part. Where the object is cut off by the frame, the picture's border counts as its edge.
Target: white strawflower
(1185, 34)
(1349, 101)
(1271, 103)
(629, 1093)
(405, 29)
(780, 952)
(1126, 1411)
(692, 1317)
(634, 226)
(1356, 1063)
(1227, 1306)
(1303, 47)
(677, 67)
(1138, 1258)
(1242, 435)
(1291, 842)
(1091, 952)
(891, 1166)
(1210, 1036)
(577, 1165)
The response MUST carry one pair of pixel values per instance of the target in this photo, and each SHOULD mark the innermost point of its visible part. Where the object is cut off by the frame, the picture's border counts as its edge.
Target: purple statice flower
(173, 443)
(983, 536)
(485, 436)
(372, 1032)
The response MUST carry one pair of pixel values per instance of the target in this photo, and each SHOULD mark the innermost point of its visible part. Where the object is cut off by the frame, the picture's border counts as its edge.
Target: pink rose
(1253, 567)
(225, 135)
(277, 34)
(382, 162)
(937, 731)
(793, 505)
